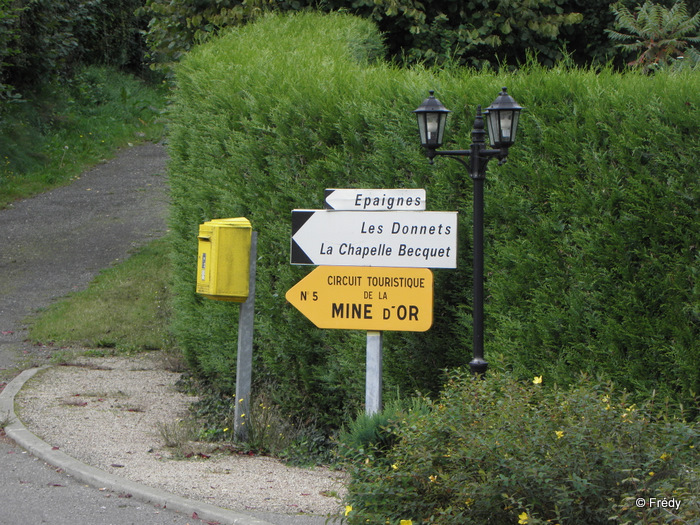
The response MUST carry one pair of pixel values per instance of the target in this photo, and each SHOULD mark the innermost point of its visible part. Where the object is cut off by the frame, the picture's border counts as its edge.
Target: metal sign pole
(244, 362)
(373, 384)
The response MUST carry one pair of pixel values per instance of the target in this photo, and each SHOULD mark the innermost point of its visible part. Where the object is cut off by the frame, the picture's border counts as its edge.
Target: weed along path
(58, 241)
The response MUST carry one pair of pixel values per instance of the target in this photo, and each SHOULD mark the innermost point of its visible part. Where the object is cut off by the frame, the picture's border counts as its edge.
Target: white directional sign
(375, 200)
(405, 239)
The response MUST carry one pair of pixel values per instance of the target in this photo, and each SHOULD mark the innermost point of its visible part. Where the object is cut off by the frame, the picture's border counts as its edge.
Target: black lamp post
(502, 118)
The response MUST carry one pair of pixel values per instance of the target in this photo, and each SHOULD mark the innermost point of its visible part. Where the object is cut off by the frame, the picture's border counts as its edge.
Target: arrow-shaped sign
(375, 200)
(407, 239)
(357, 298)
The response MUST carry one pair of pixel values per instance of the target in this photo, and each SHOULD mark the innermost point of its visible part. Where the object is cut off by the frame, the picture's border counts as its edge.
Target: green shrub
(591, 226)
(503, 451)
(373, 434)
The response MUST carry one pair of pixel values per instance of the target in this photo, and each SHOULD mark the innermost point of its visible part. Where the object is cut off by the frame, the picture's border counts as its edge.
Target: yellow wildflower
(559, 433)
(405, 522)
(522, 518)
(537, 380)
(348, 509)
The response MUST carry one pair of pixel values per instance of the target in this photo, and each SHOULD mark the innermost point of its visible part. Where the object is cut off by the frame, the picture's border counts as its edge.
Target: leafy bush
(502, 451)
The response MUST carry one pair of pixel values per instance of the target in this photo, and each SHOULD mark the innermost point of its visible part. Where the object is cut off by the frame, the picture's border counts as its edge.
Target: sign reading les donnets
(357, 298)
(375, 200)
(406, 239)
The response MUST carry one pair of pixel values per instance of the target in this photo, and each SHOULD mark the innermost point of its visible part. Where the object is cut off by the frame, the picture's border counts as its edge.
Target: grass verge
(125, 308)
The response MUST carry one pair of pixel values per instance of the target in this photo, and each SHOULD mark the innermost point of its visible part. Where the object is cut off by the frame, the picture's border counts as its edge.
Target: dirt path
(56, 242)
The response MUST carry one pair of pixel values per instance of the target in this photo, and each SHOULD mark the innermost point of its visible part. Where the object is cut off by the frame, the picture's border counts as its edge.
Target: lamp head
(431, 115)
(502, 120)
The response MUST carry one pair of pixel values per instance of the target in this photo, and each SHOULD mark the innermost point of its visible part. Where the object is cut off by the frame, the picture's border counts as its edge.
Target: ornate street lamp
(502, 118)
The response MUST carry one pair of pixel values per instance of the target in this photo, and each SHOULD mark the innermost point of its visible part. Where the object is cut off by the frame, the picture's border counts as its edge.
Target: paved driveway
(56, 242)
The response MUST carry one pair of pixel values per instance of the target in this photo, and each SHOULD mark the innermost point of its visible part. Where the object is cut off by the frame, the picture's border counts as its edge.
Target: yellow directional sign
(366, 298)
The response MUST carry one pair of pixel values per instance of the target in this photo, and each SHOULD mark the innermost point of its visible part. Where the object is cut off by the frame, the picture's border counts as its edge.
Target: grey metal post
(244, 362)
(373, 385)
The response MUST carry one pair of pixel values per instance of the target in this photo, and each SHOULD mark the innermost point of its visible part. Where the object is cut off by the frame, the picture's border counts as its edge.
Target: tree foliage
(656, 34)
(478, 32)
(46, 40)
(9, 36)
(175, 26)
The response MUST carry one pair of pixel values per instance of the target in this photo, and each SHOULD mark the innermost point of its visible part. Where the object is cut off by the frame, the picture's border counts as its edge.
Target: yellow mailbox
(223, 261)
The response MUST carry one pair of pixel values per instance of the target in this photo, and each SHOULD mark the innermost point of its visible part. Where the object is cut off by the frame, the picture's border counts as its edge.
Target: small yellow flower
(559, 433)
(664, 457)
(405, 522)
(226, 429)
(433, 479)
(522, 518)
(348, 509)
(651, 474)
(395, 466)
(537, 380)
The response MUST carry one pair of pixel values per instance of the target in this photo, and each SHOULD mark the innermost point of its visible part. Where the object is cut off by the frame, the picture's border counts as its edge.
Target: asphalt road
(51, 245)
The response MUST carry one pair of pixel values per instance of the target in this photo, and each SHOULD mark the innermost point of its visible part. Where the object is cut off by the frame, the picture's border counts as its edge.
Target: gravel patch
(106, 412)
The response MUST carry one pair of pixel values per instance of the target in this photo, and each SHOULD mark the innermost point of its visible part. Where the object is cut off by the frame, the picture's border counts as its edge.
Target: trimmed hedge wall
(591, 227)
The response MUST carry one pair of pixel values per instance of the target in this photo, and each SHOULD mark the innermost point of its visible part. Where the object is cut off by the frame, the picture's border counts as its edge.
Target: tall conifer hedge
(592, 226)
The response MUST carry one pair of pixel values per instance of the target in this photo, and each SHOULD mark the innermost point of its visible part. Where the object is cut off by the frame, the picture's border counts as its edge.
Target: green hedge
(591, 226)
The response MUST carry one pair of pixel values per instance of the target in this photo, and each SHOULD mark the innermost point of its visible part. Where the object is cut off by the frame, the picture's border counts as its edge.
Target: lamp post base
(478, 366)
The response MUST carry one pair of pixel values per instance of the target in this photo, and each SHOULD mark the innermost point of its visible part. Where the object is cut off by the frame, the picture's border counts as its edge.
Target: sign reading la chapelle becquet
(406, 239)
